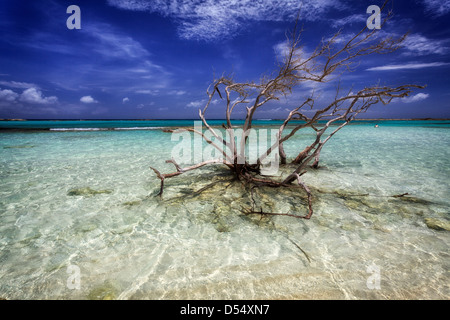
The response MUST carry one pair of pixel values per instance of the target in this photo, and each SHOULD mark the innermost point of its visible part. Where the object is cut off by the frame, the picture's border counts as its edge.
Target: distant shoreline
(377, 119)
(80, 125)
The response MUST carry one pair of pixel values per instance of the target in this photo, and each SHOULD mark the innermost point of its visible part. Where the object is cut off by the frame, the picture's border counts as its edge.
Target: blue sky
(137, 59)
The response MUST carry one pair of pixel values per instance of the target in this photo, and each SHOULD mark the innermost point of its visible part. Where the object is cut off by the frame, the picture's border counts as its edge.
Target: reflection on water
(93, 205)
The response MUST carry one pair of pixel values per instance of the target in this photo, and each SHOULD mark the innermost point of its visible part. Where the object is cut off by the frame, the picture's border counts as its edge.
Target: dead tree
(327, 62)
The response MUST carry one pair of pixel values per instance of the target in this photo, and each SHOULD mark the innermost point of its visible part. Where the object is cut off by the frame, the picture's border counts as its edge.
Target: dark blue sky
(137, 59)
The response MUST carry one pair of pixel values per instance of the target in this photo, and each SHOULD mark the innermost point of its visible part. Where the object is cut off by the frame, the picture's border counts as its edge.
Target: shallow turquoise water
(129, 244)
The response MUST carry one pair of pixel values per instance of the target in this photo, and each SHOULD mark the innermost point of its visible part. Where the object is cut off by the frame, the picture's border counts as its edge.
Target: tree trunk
(302, 155)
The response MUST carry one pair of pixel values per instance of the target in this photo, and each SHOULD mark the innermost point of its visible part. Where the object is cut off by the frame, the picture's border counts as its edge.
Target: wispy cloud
(196, 104)
(352, 19)
(45, 41)
(177, 92)
(391, 67)
(18, 85)
(147, 91)
(282, 50)
(142, 105)
(415, 98)
(97, 38)
(416, 44)
(201, 103)
(212, 20)
(437, 7)
(111, 43)
(97, 44)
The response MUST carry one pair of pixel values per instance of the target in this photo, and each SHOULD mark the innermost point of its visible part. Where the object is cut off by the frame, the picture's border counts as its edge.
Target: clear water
(129, 244)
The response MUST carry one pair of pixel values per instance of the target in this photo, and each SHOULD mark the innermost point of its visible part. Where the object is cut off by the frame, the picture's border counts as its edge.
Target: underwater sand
(88, 199)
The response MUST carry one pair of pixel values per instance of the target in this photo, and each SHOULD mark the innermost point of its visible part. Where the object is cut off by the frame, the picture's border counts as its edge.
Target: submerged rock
(19, 147)
(437, 224)
(415, 200)
(132, 203)
(107, 291)
(86, 192)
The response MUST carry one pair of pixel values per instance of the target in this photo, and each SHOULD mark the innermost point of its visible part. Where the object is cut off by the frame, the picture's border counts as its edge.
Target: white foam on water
(77, 129)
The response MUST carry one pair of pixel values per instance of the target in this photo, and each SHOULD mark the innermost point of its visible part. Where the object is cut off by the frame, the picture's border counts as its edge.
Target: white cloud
(142, 105)
(30, 95)
(390, 67)
(88, 99)
(153, 92)
(177, 92)
(202, 103)
(415, 98)
(33, 95)
(354, 18)
(416, 44)
(138, 70)
(196, 104)
(18, 85)
(112, 44)
(98, 37)
(8, 95)
(213, 20)
(124, 100)
(282, 50)
(437, 7)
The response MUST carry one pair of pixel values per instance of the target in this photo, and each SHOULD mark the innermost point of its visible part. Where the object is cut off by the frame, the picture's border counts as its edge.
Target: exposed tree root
(179, 171)
(303, 251)
(272, 184)
(332, 56)
(400, 195)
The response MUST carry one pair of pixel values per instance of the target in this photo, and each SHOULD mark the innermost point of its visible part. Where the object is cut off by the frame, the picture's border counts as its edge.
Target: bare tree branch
(330, 59)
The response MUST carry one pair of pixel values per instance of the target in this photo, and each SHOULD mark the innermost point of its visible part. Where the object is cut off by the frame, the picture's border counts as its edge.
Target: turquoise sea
(80, 219)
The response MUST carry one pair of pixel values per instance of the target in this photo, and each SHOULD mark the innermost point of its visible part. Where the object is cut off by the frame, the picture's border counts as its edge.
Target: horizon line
(175, 119)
